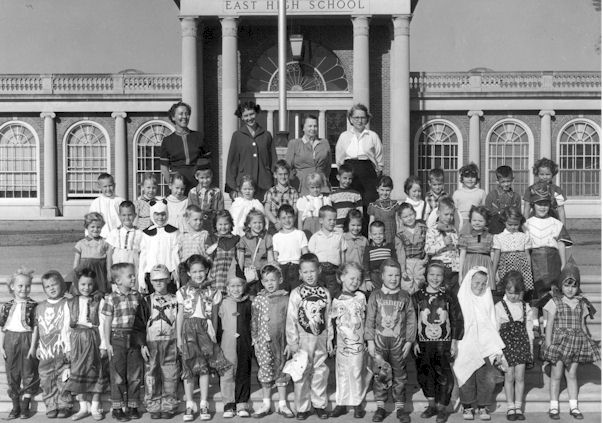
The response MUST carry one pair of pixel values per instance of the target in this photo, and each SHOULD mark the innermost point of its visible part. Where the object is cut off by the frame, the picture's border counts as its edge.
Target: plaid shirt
(122, 308)
(414, 242)
(432, 198)
(277, 196)
(191, 242)
(206, 199)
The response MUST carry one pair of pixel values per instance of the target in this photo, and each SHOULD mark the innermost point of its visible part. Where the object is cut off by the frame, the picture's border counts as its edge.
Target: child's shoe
(155, 415)
(134, 414)
(468, 414)
(16, 411)
(576, 414)
(379, 415)
(262, 412)
(243, 413)
(359, 412)
(119, 415)
(403, 416)
(25, 412)
(81, 414)
(229, 414)
(339, 411)
(64, 413)
(429, 412)
(285, 411)
(188, 416)
(167, 415)
(204, 413)
(483, 414)
(52, 414)
(442, 415)
(321, 413)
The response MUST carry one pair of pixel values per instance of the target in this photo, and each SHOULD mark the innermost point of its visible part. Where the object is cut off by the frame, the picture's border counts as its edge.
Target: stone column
(546, 142)
(322, 124)
(361, 59)
(474, 144)
(121, 155)
(230, 92)
(399, 133)
(49, 207)
(191, 71)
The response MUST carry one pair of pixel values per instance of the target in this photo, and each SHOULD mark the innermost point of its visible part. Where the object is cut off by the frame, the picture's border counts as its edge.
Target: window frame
(460, 150)
(486, 185)
(66, 136)
(135, 140)
(29, 200)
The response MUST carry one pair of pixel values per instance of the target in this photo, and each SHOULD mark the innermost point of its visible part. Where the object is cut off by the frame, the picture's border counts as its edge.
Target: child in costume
(410, 248)
(221, 248)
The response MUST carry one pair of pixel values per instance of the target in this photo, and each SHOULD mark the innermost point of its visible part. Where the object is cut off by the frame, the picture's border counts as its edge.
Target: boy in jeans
(123, 342)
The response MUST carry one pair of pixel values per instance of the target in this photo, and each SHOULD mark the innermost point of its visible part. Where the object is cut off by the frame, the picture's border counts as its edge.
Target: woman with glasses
(361, 148)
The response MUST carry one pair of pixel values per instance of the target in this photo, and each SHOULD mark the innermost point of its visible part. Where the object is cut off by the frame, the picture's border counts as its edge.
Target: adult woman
(252, 152)
(362, 149)
(182, 150)
(309, 154)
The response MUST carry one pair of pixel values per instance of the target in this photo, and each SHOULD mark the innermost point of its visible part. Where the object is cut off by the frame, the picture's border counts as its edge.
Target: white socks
(282, 404)
(573, 404)
(554, 405)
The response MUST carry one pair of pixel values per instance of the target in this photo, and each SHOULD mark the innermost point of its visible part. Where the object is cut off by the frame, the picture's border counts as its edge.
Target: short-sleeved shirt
(248, 244)
(92, 248)
(122, 308)
(289, 246)
(327, 247)
(465, 198)
(546, 232)
(356, 245)
(191, 242)
(507, 241)
(277, 196)
(476, 242)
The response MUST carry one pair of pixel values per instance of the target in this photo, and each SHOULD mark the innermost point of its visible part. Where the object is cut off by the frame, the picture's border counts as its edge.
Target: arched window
(18, 161)
(438, 144)
(509, 142)
(579, 149)
(147, 142)
(86, 155)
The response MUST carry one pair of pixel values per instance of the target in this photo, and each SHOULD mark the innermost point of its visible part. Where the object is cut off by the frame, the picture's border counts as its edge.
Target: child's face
(512, 225)
(384, 192)
(198, 273)
(377, 235)
(328, 220)
(479, 282)
(469, 181)
(149, 189)
(541, 209)
(408, 217)
(107, 187)
(160, 285)
(415, 192)
(391, 277)
(204, 178)
(436, 186)
(247, 191)
(308, 272)
(126, 279)
(126, 217)
(512, 295)
(282, 176)
(355, 226)
(86, 286)
(445, 214)
(435, 277)
(287, 220)
(505, 183)
(177, 188)
(223, 226)
(94, 229)
(52, 288)
(314, 190)
(160, 219)
(271, 281)
(195, 221)
(478, 222)
(545, 174)
(235, 288)
(569, 289)
(345, 179)
(351, 280)
(256, 225)
(21, 287)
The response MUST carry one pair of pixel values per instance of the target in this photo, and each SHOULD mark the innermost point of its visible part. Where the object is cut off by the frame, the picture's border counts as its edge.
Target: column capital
(50, 115)
(229, 26)
(401, 24)
(361, 24)
(543, 113)
(478, 113)
(116, 115)
(188, 26)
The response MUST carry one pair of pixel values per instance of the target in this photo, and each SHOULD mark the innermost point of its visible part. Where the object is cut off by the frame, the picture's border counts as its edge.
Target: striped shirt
(122, 308)
(344, 200)
(374, 255)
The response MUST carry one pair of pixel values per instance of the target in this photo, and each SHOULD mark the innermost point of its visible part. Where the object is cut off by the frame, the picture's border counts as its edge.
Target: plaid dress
(224, 261)
(570, 344)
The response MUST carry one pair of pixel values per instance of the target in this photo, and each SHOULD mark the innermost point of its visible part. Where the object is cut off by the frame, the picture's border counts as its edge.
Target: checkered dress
(224, 257)
(570, 344)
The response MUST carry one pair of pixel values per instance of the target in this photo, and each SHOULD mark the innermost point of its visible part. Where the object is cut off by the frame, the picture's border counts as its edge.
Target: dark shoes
(339, 410)
(25, 412)
(403, 416)
(359, 412)
(155, 415)
(63, 413)
(134, 414)
(321, 413)
(120, 416)
(303, 415)
(429, 412)
(167, 415)
(52, 414)
(442, 415)
(14, 413)
(379, 415)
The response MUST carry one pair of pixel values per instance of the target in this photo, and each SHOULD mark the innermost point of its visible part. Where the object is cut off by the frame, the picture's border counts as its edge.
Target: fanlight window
(579, 159)
(86, 156)
(18, 162)
(147, 144)
(509, 144)
(437, 146)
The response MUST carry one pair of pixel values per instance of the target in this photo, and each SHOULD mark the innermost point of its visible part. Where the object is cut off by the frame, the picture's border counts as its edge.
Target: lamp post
(281, 139)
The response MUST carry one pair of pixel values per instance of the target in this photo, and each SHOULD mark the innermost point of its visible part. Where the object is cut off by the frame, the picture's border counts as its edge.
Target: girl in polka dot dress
(268, 316)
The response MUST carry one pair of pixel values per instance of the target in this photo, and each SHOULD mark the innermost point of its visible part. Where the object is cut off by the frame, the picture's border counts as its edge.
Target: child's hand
(406, 349)
(416, 349)
(32, 352)
(287, 352)
(454, 349)
(144, 351)
(110, 351)
(103, 353)
(210, 250)
(371, 348)
(369, 285)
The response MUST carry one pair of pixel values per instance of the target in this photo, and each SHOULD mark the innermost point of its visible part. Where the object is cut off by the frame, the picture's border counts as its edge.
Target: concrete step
(537, 392)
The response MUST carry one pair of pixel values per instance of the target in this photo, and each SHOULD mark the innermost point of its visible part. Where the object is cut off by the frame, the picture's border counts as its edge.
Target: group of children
(190, 289)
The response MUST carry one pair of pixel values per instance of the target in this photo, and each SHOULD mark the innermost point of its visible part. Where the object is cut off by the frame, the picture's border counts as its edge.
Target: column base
(49, 212)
